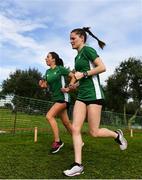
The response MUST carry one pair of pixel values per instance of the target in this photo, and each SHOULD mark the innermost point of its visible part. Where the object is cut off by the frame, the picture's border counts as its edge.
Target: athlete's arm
(99, 68)
(72, 85)
(70, 88)
(73, 79)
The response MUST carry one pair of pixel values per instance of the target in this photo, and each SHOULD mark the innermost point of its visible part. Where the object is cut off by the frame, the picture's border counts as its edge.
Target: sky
(29, 29)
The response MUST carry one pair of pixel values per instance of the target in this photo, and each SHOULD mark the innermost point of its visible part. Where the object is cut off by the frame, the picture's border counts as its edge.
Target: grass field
(21, 158)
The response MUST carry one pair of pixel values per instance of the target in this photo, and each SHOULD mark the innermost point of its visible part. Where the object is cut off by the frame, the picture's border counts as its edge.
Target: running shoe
(121, 140)
(56, 146)
(76, 169)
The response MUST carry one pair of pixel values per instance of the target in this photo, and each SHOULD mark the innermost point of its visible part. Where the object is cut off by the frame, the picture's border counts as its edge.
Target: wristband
(85, 74)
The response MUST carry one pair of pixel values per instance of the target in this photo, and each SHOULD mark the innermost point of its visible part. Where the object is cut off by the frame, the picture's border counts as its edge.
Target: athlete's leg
(55, 110)
(65, 120)
(79, 114)
(94, 116)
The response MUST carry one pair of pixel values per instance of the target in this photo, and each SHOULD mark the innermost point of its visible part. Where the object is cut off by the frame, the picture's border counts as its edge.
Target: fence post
(35, 134)
(131, 132)
(15, 118)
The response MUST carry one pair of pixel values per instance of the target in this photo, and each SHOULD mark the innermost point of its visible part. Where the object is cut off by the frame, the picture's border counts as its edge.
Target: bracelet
(85, 74)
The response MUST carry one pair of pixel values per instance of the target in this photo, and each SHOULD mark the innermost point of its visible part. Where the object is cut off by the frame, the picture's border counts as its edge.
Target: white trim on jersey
(96, 83)
(63, 85)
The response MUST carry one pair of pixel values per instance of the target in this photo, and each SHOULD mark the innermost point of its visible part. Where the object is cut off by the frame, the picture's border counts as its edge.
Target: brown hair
(58, 60)
(83, 32)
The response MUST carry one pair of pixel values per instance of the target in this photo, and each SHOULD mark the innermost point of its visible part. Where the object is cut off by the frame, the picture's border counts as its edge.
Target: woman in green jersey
(88, 66)
(55, 79)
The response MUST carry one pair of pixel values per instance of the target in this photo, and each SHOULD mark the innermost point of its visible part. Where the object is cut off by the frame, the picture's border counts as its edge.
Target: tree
(125, 85)
(23, 83)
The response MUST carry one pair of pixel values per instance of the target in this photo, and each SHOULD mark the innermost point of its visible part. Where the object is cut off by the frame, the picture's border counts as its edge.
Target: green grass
(23, 120)
(21, 158)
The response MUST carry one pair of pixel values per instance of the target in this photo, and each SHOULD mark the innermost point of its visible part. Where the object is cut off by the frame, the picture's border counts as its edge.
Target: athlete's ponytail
(58, 60)
(83, 31)
(100, 43)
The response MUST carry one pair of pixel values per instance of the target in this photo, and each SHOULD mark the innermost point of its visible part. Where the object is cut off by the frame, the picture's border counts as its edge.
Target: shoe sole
(75, 174)
(125, 143)
(53, 152)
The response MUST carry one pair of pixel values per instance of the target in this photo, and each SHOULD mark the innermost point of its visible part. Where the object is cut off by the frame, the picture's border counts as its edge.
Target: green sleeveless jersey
(89, 88)
(56, 80)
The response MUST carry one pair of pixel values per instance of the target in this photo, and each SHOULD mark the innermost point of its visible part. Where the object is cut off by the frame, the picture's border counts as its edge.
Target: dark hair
(58, 60)
(82, 32)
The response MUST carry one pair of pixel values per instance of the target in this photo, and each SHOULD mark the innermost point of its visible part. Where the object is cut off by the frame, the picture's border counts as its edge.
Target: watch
(85, 74)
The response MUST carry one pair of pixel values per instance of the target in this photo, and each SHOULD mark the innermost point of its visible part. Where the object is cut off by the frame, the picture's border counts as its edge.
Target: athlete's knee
(49, 117)
(75, 129)
(94, 132)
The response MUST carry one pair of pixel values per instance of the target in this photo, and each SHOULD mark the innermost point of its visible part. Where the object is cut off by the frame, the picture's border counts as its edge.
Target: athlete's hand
(42, 84)
(72, 86)
(65, 90)
(78, 75)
